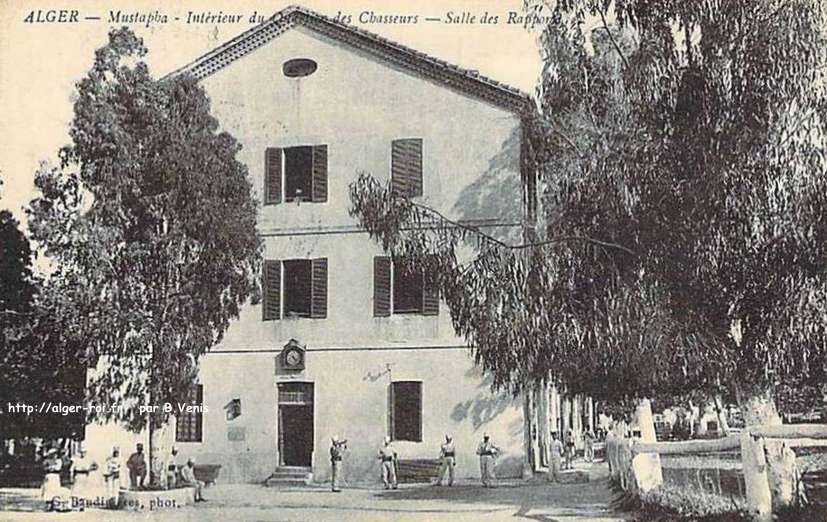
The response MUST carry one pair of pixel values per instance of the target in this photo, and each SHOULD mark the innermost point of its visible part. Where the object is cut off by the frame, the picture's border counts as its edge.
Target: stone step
(289, 476)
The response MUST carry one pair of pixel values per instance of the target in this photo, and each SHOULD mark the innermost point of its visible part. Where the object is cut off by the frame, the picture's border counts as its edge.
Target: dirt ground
(512, 500)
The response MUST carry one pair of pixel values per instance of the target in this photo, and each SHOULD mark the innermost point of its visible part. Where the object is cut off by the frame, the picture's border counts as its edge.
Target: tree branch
(612, 38)
(522, 246)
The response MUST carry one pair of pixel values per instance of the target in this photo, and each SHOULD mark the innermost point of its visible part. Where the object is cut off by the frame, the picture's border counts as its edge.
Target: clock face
(293, 357)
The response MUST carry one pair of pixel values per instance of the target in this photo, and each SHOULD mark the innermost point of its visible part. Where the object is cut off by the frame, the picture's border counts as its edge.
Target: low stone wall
(164, 499)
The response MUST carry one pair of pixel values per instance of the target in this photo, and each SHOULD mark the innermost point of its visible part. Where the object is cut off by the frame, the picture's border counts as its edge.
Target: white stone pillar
(756, 483)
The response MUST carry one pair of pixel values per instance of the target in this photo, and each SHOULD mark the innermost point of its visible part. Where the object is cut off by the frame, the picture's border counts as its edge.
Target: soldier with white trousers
(488, 454)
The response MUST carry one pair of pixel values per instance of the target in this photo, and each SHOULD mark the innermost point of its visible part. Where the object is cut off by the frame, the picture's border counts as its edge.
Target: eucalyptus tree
(149, 224)
(681, 246)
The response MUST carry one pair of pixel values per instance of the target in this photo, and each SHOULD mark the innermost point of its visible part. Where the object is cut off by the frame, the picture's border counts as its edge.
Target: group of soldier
(389, 462)
(84, 488)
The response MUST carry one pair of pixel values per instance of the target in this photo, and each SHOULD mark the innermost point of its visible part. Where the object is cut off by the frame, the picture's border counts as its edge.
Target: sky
(41, 60)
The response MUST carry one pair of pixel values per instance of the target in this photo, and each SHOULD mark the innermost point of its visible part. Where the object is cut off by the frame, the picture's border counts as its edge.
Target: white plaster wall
(356, 105)
(351, 400)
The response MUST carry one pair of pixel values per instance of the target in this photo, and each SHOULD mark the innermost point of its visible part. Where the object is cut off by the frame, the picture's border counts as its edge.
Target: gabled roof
(454, 77)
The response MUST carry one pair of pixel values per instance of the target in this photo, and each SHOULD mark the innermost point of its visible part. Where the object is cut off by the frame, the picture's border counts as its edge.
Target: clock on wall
(293, 355)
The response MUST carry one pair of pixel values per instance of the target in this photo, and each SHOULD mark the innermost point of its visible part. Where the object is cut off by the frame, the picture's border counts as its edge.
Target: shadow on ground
(548, 500)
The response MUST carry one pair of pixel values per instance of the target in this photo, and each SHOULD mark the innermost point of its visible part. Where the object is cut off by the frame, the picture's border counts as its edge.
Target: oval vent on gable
(299, 67)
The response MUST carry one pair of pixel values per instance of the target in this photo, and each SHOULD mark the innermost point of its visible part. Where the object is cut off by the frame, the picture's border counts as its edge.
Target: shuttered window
(406, 410)
(271, 290)
(381, 286)
(295, 288)
(272, 176)
(189, 424)
(296, 173)
(400, 291)
(406, 167)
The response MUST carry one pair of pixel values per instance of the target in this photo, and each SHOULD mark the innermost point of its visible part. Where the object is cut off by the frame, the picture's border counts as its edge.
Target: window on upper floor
(295, 174)
(406, 167)
(294, 288)
(406, 411)
(397, 290)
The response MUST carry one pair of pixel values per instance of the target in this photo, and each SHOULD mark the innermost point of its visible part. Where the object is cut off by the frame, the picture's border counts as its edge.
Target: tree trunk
(646, 466)
(758, 408)
(158, 453)
(529, 431)
(543, 427)
(756, 483)
(723, 423)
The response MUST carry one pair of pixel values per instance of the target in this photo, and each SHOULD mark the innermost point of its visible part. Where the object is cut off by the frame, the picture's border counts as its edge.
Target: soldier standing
(387, 455)
(487, 452)
(337, 449)
(447, 454)
(112, 475)
(570, 449)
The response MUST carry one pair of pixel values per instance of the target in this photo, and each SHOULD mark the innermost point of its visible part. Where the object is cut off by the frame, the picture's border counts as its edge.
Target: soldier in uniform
(570, 449)
(137, 468)
(112, 475)
(447, 455)
(387, 456)
(487, 452)
(337, 449)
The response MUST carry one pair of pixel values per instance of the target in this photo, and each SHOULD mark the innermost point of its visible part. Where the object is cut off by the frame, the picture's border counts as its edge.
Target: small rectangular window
(406, 411)
(189, 425)
(298, 274)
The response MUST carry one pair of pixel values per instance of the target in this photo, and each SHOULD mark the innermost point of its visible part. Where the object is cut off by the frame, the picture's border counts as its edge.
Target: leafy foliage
(682, 161)
(150, 224)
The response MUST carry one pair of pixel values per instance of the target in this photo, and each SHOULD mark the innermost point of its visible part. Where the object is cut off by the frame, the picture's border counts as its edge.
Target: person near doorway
(570, 447)
(447, 456)
(387, 456)
(337, 450)
(188, 479)
(488, 454)
(137, 467)
(556, 455)
(112, 476)
(588, 446)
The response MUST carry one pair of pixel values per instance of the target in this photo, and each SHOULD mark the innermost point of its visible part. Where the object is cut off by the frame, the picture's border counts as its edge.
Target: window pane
(297, 285)
(298, 176)
(407, 411)
(407, 291)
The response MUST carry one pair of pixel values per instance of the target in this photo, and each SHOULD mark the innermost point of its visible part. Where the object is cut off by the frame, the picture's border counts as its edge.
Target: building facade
(344, 342)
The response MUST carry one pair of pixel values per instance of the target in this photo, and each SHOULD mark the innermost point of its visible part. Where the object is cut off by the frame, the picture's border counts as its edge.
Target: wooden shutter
(406, 167)
(381, 286)
(430, 298)
(272, 176)
(320, 173)
(318, 288)
(430, 292)
(271, 283)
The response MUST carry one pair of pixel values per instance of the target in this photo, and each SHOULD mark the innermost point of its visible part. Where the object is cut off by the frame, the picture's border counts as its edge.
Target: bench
(207, 473)
(411, 471)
